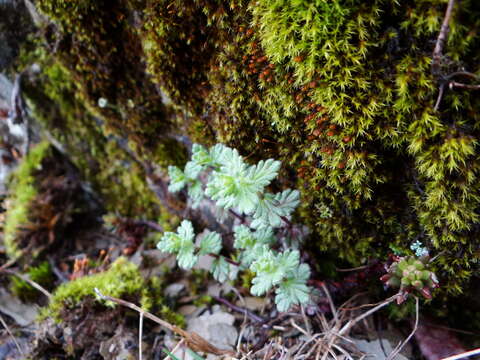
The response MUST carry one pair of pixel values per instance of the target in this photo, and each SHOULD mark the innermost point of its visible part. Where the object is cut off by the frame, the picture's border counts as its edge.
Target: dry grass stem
(28, 280)
(399, 347)
(463, 355)
(140, 336)
(11, 335)
(180, 343)
(192, 339)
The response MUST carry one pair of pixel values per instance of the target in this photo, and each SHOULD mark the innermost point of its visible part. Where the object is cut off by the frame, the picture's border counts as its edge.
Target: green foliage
(23, 184)
(180, 243)
(236, 186)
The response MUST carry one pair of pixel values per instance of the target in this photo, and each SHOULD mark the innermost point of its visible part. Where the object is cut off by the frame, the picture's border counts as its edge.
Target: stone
(217, 328)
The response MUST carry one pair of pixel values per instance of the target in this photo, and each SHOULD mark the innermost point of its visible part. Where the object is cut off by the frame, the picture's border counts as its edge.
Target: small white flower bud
(102, 102)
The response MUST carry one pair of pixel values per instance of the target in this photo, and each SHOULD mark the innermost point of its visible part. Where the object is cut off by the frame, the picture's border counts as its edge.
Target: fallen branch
(442, 37)
(192, 339)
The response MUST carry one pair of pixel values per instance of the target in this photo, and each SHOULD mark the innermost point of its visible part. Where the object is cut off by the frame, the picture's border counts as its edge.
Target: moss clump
(361, 76)
(122, 280)
(24, 189)
(48, 205)
(179, 39)
(119, 180)
(41, 274)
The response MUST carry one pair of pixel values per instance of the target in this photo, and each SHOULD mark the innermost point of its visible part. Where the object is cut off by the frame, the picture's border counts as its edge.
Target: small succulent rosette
(410, 274)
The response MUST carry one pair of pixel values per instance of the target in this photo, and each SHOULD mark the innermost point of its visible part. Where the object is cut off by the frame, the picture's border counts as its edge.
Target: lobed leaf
(211, 243)
(273, 207)
(186, 258)
(195, 193)
(294, 290)
(178, 180)
(192, 170)
(201, 155)
(220, 269)
(264, 172)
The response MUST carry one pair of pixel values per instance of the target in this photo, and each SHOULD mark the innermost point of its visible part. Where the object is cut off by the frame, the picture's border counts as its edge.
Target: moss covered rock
(344, 92)
(19, 202)
(78, 324)
(46, 207)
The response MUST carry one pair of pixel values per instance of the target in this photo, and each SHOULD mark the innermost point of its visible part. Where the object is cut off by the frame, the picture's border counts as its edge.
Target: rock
(217, 328)
(373, 349)
(23, 314)
(252, 303)
(174, 290)
(187, 310)
(123, 345)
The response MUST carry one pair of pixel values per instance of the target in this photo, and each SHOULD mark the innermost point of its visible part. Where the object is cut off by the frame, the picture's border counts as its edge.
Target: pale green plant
(221, 175)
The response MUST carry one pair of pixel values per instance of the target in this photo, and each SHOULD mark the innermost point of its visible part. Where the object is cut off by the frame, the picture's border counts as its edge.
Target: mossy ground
(122, 280)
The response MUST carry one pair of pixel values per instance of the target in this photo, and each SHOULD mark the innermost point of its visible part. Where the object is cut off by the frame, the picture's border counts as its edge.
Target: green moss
(100, 50)
(343, 92)
(120, 181)
(23, 185)
(41, 274)
(122, 280)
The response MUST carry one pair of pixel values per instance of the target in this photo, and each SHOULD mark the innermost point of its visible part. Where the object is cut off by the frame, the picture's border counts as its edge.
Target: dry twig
(28, 280)
(11, 335)
(437, 59)
(399, 347)
(442, 37)
(192, 339)
(463, 355)
(351, 323)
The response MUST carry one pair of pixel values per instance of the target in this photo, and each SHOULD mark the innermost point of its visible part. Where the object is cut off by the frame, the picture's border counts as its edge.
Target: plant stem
(236, 308)
(230, 261)
(193, 340)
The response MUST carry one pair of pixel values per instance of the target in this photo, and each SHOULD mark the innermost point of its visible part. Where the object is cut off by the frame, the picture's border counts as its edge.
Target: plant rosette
(411, 274)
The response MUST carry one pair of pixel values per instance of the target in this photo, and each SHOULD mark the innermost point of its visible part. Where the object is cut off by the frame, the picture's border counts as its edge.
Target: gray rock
(23, 314)
(373, 349)
(217, 328)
